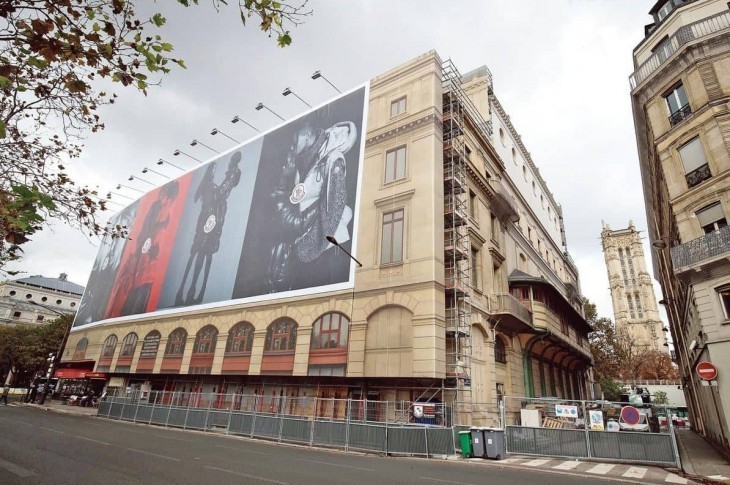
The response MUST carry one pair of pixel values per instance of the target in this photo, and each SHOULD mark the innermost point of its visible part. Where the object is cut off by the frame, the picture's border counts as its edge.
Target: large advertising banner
(249, 225)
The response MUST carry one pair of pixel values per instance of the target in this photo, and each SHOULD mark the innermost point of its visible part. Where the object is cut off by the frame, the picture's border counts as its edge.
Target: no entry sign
(706, 371)
(630, 415)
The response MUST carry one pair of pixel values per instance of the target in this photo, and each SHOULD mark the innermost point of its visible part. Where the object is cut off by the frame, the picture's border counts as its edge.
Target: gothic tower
(634, 304)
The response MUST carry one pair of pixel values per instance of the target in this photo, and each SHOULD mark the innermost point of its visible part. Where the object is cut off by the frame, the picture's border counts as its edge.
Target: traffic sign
(706, 371)
(630, 415)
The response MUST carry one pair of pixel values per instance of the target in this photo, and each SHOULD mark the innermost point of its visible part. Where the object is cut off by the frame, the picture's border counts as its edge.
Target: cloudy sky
(560, 70)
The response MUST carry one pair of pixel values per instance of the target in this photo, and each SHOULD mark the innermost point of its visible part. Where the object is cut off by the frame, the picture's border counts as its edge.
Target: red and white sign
(630, 415)
(706, 371)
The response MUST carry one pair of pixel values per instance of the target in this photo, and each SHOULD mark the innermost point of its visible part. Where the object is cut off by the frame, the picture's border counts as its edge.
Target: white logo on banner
(297, 195)
(209, 224)
(147, 245)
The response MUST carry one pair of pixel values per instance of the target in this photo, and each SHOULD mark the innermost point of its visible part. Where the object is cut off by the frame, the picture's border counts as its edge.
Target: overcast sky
(560, 70)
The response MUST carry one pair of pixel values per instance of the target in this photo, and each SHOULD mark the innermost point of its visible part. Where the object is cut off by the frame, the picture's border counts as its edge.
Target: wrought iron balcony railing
(698, 175)
(683, 35)
(680, 115)
(697, 251)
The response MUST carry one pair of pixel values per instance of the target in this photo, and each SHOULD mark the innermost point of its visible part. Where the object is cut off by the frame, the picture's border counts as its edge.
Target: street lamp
(178, 152)
(119, 186)
(333, 241)
(53, 358)
(133, 178)
(288, 91)
(662, 242)
(145, 170)
(196, 142)
(162, 161)
(318, 74)
(237, 118)
(261, 106)
(215, 131)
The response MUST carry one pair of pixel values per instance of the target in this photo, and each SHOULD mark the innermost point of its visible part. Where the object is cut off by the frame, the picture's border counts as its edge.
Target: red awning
(79, 374)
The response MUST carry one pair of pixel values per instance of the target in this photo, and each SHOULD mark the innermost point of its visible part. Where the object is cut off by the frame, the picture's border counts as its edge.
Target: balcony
(680, 115)
(684, 35)
(698, 175)
(702, 251)
(512, 315)
(503, 206)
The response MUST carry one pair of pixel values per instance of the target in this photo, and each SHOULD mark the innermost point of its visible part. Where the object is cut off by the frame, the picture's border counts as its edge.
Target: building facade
(466, 291)
(680, 93)
(635, 309)
(37, 299)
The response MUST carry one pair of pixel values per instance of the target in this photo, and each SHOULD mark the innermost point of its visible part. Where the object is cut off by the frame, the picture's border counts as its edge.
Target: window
(724, 294)
(176, 342)
(80, 350)
(28, 296)
(110, 344)
(16, 314)
(664, 11)
(73, 304)
(240, 338)
(500, 353)
(472, 205)
(711, 218)
(58, 302)
(501, 136)
(398, 106)
(128, 345)
(639, 308)
(392, 240)
(330, 331)
(500, 392)
(678, 105)
(12, 292)
(39, 318)
(631, 306)
(395, 164)
(150, 345)
(514, 155)
(494, 226)
(695, 164)
(475, 268)
(281, 336)
(44, 299)
(205, 340)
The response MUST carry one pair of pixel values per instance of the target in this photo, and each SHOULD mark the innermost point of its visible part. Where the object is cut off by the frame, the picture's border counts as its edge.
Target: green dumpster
(465, 441)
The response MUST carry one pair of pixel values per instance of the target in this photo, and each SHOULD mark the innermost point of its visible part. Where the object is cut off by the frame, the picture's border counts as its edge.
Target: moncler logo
(297, 195)
(209, 224)
(146, 246)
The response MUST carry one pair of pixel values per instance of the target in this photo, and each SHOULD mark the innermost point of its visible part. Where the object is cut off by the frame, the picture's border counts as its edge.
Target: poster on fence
(562, 411)
(596, 416)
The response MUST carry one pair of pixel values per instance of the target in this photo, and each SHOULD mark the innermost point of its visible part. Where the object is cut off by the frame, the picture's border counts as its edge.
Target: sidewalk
(700, 459)
(58, 407)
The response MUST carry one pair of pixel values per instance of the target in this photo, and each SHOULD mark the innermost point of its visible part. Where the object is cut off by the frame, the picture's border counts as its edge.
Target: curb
(53, 409)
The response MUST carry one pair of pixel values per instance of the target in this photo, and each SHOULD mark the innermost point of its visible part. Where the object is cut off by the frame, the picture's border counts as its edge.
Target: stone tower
(634, 304)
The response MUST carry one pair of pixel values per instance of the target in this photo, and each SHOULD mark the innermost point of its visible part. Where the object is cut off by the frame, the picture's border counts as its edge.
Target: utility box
(494, 443)
(531, 418)
(477, 442)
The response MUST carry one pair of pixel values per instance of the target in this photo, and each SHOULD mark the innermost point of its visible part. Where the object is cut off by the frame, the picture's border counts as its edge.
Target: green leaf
(4, 82)
(158, 19)
(284, 39)
(166, 46)
(2, 129)
(96, 27)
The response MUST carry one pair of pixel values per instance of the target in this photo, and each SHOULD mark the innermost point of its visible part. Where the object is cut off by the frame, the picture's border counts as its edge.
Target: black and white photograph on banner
(104, 271)
(305, 190)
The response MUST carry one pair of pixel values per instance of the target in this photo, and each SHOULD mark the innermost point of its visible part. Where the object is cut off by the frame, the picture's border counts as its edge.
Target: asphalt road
(38, 446)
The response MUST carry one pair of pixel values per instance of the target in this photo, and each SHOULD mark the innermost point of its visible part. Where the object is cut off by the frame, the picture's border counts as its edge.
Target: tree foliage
(58, 61)
(660, 397)
(617, 356)
(24, 347)
(612, 390)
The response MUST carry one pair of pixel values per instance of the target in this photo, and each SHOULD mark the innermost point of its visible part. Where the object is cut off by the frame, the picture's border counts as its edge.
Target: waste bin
(465, 442)
(494, 443)
(477, 442)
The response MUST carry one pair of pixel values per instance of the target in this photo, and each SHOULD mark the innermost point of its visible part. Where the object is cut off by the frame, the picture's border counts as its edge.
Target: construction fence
(590, 430)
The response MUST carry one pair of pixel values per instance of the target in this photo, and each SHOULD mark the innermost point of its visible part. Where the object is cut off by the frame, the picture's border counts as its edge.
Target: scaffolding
(457, 244)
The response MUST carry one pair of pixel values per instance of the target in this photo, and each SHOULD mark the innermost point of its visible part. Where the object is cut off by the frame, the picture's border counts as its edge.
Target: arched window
(205, 340)
(500, 353)
(330, 331)
(240, 338)
(110, 344)
(281, 335)
(176, 342)
(128, 345)
(150, 344)
(80, 350)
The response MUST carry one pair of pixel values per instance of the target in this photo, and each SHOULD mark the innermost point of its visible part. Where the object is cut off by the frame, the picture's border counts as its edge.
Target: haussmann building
(242, 285)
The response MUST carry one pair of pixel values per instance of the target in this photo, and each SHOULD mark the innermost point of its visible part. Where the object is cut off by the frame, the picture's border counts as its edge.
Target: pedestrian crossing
(643, 474)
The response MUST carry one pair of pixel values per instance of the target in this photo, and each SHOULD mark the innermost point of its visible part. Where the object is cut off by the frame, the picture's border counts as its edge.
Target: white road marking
(336, 464)
(444, 481)
(245, 475)
(93, 441)
(567, 465)
(153, 454)
(600, 469)
(15, 469)
(672, 478)
(635, 472)
(173, 438)
(717, 477)
(51, 430)
(535, 462)
(241, 450)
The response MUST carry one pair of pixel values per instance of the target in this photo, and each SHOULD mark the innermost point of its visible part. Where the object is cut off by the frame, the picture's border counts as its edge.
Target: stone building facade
(476, 297)
(680, 96)
(37, 299)
(635, 307)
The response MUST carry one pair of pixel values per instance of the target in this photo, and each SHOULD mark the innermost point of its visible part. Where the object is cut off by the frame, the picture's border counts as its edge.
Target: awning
(79, 374)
